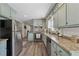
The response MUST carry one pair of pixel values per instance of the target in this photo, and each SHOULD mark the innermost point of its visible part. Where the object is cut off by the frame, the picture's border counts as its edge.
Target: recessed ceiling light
(25, 15)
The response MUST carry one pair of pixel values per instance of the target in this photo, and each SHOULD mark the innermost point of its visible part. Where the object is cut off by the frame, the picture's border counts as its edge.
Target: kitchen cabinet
(44, 38)
(62, 16)
(62, 52)
(17, 43)
(37, 23)
(5, 10)
(3, 48)
(59, 16)
(55, 20)
(53, 49)
(72, 13)
(56, 50)
(13, 13)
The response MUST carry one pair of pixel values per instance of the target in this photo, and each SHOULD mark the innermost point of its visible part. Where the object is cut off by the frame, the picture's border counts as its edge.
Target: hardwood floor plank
(44, 52)
(34, 49)
(30, 50)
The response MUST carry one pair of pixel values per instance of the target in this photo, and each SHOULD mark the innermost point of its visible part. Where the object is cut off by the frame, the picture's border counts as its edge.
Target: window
(50, 24)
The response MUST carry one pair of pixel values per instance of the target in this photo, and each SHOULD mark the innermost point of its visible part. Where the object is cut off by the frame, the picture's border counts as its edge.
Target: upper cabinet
(7, 11)
(72, 13)
(55, 20)
(62, 15)
(13, 13)
(66, 14)
(4, 10)
(37, 23)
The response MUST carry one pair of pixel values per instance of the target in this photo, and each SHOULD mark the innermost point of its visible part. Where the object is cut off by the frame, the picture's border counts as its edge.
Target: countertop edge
(3, 39)
(70, 52)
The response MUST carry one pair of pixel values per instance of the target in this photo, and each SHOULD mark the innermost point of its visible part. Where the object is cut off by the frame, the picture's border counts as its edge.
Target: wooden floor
(34, 49)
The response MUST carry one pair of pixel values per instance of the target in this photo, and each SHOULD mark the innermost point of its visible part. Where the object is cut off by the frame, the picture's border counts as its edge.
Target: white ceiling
(28, 11)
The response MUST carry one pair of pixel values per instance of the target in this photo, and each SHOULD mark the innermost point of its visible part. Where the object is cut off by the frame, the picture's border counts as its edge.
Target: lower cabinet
(44, 39)
(3, 48)
(53, 49)
(56, 50)
(62, 52)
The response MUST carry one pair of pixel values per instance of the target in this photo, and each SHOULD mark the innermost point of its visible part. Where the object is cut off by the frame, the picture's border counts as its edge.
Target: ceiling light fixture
(25, 15)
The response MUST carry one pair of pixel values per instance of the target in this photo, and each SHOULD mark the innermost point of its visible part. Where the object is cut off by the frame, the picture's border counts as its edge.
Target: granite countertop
(65, 43)
(3, 39)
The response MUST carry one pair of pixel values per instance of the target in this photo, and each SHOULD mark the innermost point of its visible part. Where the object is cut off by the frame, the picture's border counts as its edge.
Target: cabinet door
(53, 49)
(44, 40)
(62, 52)
(37, 23)
(55, 19)
(62, 16)
(5, 10)
(13, 13)
(3, 48)
(72, 13)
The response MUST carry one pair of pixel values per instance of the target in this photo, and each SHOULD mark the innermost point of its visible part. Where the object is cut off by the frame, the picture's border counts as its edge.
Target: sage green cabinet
(55, 20)
(67, 14)
(56, 50)
(53, 49)
(62, 52)
(4, 10)
(13, 13)
(72, 13)
(44, 38)
(62, 16)
(37, 22)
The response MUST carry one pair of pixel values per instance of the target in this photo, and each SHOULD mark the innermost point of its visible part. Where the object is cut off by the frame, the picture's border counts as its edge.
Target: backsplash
(71, 31)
